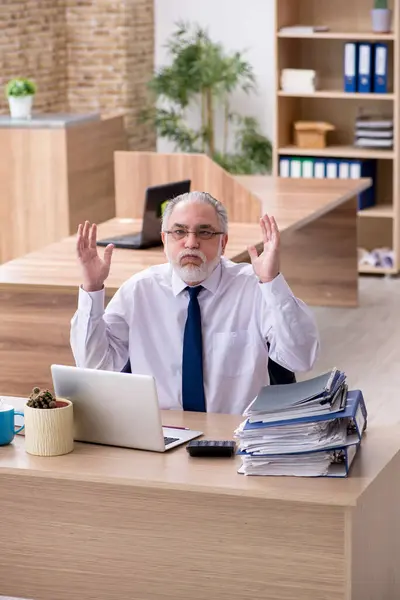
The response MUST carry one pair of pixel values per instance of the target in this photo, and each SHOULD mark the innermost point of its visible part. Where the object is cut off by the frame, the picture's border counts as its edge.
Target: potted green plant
(48, 424)
(20, 94)
(381, 17)
(202, 77)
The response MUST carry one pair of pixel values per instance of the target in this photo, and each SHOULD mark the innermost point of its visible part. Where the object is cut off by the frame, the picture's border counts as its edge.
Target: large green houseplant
(202, 76)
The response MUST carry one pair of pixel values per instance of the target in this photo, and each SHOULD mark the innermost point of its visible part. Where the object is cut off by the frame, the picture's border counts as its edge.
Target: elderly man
(202, 325)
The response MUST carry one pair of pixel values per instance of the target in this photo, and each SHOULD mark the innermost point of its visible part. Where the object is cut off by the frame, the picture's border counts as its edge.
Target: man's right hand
(95, 270)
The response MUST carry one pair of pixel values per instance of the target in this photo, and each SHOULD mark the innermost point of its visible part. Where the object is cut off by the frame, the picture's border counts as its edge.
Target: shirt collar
(210, 284)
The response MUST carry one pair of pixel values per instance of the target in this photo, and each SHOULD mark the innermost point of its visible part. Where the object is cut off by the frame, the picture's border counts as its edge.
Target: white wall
(238, 25)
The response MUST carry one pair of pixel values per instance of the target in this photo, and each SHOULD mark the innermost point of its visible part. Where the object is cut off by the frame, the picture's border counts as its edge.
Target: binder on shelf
(344, 169)
(284, 167)
(365, 60)
(350, 67)
(319, 168)
(295, 167)
(364, 168)
(331, 168)
(380, 68)
(308, 168)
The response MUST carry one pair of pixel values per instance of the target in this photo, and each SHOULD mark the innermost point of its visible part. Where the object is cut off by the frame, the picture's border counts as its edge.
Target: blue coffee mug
(7, 426)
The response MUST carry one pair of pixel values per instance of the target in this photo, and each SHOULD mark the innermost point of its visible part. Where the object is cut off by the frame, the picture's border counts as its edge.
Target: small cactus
(41, 399)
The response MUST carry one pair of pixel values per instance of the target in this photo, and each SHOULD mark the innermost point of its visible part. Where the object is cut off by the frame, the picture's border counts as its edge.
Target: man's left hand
(266, 266)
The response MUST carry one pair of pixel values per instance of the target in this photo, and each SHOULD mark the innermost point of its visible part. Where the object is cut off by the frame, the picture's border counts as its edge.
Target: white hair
(200, 197)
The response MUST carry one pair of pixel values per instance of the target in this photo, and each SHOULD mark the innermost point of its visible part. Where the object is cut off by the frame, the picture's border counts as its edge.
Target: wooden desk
(108, 523)
(295, 205)
(38, 292)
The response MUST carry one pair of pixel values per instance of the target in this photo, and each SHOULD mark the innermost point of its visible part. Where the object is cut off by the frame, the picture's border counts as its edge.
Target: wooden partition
(52, 177)
(135, 171)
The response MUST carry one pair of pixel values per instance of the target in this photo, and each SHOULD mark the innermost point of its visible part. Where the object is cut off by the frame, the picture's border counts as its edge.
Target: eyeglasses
(202, 234)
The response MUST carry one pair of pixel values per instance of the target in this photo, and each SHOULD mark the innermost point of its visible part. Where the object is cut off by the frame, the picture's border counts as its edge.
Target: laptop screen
(157, 197)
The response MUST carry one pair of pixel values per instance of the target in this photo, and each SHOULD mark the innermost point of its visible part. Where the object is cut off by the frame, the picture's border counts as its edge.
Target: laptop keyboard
(169, 440)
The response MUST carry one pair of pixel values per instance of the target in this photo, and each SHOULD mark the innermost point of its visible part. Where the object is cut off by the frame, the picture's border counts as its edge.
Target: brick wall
(85, 55)
(111, 54)
(33, 45)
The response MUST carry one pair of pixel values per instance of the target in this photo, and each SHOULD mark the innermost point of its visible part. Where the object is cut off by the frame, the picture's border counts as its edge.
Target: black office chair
(277, 373)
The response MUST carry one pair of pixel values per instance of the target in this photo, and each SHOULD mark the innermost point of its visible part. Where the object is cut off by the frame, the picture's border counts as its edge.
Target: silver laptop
(117, 409)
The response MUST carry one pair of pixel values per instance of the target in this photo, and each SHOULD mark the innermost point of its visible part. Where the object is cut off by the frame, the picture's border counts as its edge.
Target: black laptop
(150, 236)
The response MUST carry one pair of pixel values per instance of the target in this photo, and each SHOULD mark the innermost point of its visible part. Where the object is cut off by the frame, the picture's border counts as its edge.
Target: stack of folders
(311, 428)
(374, 132)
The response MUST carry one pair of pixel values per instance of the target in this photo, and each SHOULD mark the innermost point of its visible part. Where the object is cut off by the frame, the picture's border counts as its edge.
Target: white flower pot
(49, 431)
(20, 107)
(381, 20)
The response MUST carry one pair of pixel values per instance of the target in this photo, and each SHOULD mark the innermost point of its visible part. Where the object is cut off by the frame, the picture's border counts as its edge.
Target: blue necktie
(193, 397)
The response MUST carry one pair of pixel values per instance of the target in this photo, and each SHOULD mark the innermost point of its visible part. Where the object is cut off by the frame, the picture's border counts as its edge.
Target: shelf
(336, 94)
(384, 211)
(340, 35)
(338, 151)
(348, 21)
(368, 269)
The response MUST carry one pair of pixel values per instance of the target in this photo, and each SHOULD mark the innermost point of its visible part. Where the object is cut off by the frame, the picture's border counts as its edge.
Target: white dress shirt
(145, 321)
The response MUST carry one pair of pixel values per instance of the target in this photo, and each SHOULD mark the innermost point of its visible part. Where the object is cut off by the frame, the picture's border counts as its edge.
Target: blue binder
(344, 169)
(365, 63)
(308, 168)
(320, 168)
(284, 166)
(341, 458)
(332, 168)
(350, 67)
(295, 167)
(364, 168)
(380, 68)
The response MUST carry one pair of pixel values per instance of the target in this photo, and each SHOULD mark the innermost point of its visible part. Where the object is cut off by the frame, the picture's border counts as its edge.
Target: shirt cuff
(91, 303)
(276, 292)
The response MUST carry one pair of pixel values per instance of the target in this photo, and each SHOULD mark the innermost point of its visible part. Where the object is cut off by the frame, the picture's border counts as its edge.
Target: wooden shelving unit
(348, 20)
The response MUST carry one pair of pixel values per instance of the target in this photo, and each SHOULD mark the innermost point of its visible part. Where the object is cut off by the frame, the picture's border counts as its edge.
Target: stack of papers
(297, 81)
(310, 428)
(321, 395)
(374, 132)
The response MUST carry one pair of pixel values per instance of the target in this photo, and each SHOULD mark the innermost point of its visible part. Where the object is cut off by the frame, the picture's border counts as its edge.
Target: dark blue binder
(350, 67)
(320, 168)
(380, 68)
(364, 168)
(365, 66)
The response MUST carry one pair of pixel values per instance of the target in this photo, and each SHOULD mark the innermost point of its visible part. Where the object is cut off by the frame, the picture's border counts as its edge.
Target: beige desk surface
(292, 198)
(176, 470)
(294, 203)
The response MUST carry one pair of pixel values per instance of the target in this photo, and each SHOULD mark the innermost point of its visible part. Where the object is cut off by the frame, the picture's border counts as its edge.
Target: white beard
(193, 273)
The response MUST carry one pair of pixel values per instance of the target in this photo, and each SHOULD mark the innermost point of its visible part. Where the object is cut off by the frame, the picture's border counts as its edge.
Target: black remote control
(211, 448)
